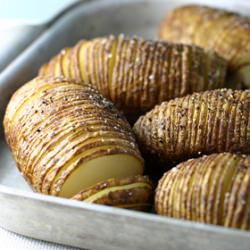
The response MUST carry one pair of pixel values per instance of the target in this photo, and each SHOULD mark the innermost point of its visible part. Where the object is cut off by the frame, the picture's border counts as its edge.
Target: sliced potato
(211, 189)
(137, 74)
(225, 32)
(202, 123)
(65, 137)
(131, 192)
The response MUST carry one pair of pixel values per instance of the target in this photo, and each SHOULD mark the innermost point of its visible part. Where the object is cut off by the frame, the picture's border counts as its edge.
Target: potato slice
(99, 169)
(131, 192)
(65, 136)
(203, 123)
(219, 187)
(61, 170)
(225, 32)
(137, 74)
(73, 155)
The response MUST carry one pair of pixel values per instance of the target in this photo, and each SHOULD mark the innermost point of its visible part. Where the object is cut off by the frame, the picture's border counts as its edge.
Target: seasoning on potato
(133, 192)
(137, 74)
(212, 189)
(202, 123)
(65, 137)
(225, 32)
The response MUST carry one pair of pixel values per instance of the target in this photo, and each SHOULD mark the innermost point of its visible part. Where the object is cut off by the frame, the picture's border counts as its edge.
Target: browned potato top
(130, 192)
(212, 189)
(225, 32)
(201, 123)
(136, 74)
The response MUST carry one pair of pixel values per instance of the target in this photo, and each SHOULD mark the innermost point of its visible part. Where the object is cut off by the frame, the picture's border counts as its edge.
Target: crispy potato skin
(225, 32)
(202, 123)
(211, 189)
(50, 122)
(136, 74)
(128, 197)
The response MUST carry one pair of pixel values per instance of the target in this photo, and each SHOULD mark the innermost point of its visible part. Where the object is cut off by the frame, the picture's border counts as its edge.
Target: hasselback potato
(65, 137)
(202, 123)
(137, 74)
(212, 189)
(225, 32)
(132, 192)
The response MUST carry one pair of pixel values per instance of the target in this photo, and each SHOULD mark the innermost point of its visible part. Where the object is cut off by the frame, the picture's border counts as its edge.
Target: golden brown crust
(202, 123)
(50, 122)
(139, 194)
(218, 185)
(225, 32)
(137, 74)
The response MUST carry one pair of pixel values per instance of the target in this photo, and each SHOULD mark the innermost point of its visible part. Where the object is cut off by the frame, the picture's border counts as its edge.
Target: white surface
(30, 11)
(22, 21)
(12, 241)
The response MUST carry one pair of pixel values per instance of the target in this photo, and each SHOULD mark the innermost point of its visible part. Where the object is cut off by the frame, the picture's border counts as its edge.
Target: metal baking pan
(80, 224)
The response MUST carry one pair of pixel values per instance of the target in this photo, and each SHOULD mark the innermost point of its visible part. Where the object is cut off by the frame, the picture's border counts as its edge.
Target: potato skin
(49, 122)
(211, 189)
(136, 197)
(202, 123)
(136, 74)
(225, 32)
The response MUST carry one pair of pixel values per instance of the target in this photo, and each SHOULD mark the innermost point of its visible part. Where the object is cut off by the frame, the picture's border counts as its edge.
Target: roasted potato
(202, 123)
(225, 32)
(136, 74)
(212, 189)
(134, 192)
(65, 137)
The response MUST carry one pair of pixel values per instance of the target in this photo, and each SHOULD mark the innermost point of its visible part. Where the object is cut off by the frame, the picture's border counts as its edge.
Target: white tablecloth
(12, 241)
